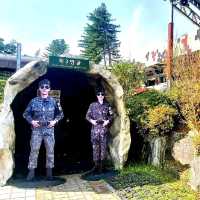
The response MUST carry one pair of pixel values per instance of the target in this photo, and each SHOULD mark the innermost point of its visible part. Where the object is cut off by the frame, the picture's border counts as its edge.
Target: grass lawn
(145, 182)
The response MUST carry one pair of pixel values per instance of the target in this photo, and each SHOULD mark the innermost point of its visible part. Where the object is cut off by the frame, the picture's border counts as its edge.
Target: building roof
(10, 61)
(13, 58)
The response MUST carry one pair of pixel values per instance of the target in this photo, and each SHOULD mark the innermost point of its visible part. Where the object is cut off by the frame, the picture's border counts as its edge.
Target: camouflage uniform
(99, 133)
(42, 110)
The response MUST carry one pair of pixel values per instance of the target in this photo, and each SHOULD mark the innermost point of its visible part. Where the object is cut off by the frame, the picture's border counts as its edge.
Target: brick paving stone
(74, 188)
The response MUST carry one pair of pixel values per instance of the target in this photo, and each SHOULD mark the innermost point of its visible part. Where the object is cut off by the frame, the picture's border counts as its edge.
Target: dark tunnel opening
(73, 150)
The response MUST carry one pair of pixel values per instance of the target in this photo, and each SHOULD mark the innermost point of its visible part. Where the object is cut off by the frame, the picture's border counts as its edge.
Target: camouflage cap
(44, 82)
(100, 90)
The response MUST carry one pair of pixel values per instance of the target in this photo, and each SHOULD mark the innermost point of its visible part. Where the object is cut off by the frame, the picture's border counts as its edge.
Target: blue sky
(36, 23)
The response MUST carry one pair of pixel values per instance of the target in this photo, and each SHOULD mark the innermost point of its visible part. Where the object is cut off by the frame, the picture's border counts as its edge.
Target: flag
(147, 56)
(153, 55)
(197, 36)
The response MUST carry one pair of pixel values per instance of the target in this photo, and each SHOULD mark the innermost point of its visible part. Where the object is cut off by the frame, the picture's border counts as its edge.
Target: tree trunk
(104, 57)
(157, 151)
(109, 57)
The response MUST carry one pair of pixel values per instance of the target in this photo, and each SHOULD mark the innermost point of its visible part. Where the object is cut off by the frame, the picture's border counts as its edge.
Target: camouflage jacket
(43, 110)
(100, 112)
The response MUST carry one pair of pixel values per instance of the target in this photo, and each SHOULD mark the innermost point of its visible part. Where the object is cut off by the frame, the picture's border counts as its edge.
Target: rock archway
(119, 142)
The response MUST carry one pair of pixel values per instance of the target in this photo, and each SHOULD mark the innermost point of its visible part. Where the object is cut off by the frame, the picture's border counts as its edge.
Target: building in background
(155, 77)
(8, 64)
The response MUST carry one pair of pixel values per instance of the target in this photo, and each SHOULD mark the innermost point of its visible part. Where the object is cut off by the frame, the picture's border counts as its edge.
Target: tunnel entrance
(73, 150)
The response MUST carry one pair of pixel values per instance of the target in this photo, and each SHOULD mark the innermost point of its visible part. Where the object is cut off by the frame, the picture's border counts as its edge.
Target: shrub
(138, 104)
(186, 88)
(130, 76)
(152, 111)
(160, 119)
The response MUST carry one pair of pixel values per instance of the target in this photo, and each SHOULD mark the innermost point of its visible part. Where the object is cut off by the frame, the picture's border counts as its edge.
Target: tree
(130, 76)
(8, 48)
(57, 48)
(2, 45)
(99, 40)
(186, 88)
(11, 47)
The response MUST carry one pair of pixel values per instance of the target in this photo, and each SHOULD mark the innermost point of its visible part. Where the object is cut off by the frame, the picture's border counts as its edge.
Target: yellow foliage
(160, 119)
(160, 114)
(186, 88)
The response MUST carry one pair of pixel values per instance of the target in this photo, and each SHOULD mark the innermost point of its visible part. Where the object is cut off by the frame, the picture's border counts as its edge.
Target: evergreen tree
(99, 40)
(2, 45)
(11, 47)
(57, 47)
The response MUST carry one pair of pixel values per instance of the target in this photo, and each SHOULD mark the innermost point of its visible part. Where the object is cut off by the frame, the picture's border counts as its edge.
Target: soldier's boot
(100, 167)
(96, 166)
(31, 175)
(93, 171)
(49, 174)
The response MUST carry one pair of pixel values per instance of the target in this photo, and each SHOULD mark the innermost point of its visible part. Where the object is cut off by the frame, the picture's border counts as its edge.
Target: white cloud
(137, 40)
(141, 37)
(129, 38)
(29, 48)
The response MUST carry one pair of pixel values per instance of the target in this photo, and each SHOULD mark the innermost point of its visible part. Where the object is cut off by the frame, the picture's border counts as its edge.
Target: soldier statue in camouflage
(43, 113)
(100, 115)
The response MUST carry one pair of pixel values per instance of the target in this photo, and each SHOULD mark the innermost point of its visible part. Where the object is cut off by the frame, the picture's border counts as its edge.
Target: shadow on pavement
(39, 182)
(92, 176)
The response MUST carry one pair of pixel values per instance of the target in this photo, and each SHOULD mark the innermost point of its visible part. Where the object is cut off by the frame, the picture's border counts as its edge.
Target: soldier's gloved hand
(35, 123)
(52, 123)
(94, 122)
(105, 123)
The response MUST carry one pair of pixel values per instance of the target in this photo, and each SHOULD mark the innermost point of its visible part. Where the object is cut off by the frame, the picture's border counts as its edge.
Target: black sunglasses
(45, 87)
(100, 93)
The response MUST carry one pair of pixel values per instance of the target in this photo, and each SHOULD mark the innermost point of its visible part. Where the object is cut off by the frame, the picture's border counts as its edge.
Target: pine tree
(2, 45)
(99, 40)
(57, 47)
(11, 47)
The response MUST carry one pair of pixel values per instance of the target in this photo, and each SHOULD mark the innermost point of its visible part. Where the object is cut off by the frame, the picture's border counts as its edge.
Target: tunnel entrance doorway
(73, 150)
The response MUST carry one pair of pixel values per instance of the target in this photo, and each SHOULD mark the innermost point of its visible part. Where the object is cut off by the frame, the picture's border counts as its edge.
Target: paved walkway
(74, 188)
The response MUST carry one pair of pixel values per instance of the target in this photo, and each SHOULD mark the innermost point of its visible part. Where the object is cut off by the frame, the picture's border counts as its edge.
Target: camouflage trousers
(38, 135)
(99, 142)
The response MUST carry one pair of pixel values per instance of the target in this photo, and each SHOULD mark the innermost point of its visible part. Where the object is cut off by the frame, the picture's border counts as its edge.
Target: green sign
(73, 63)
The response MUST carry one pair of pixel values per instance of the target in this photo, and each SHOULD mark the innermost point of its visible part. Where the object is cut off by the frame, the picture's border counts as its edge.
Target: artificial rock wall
(119, 133)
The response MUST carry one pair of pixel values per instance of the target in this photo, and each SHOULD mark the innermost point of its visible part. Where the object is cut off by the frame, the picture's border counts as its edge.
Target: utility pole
(170, 46)
(18, 56)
